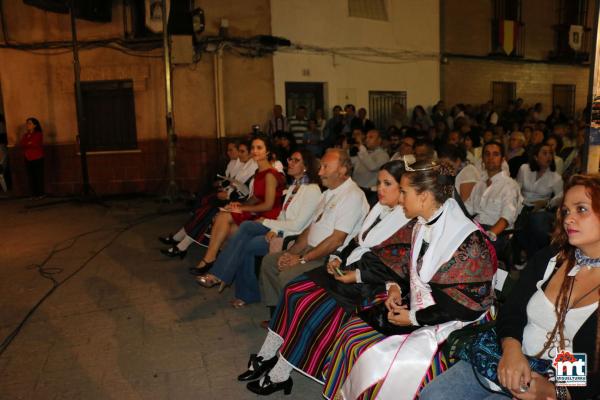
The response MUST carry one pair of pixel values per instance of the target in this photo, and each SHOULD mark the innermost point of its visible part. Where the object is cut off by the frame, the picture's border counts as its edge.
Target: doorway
(307, 94)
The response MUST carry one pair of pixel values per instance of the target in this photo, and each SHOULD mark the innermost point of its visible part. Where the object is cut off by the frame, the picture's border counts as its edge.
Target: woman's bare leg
(218, 235)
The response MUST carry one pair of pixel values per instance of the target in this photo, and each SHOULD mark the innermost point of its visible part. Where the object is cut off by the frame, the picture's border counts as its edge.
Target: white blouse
(547, 187)
(541, 318)
(296, 217)
(243, 171)
(469, 174)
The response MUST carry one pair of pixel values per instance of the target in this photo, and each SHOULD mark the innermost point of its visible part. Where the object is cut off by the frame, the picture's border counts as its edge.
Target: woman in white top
(542, 190)
(235, 263)
(556, 306)
(239, 172)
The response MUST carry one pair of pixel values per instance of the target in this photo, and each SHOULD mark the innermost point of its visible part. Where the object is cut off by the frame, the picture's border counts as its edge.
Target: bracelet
(561, 392)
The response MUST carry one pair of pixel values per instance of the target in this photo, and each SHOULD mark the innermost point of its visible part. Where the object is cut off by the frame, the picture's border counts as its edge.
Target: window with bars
(109, 115)
(572, 12)
(502, 93)
(381, 105)
(371, 9)
(564, 96)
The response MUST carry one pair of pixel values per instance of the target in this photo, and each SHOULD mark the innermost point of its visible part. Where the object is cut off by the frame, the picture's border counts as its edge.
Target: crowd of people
(369, 248)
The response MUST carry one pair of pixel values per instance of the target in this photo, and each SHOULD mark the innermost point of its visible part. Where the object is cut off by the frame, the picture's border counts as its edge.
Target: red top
(32, 143)
(260, 188)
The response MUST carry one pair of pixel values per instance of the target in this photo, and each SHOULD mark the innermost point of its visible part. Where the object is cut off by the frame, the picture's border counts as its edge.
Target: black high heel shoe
(267, 387)
(174, 252)
(259, 368)
(203, 270)
(168, 240)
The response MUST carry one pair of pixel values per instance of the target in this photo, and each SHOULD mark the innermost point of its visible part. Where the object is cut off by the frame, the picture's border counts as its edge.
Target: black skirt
(351, 296)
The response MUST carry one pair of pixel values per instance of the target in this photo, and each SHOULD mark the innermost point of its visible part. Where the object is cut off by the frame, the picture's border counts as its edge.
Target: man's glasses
(408, 168)
(294, 159)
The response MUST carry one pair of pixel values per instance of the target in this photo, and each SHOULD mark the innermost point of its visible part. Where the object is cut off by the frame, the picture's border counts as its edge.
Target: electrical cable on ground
(48, 273)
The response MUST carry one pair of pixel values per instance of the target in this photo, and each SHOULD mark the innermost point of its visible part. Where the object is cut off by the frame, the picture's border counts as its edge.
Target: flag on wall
(508, 35)
(575, 37)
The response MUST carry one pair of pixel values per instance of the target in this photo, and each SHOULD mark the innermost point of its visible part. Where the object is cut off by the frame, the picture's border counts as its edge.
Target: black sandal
(202, 270)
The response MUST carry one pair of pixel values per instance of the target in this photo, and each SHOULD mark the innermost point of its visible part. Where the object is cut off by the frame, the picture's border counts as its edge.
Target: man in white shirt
(496, 199)
(407, 146)
(370, 157)
(336, 221)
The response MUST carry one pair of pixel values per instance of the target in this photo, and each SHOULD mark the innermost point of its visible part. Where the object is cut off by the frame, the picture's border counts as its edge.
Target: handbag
(479, 346)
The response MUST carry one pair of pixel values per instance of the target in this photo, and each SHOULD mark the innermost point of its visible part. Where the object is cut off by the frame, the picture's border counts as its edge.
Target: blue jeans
(460, 381)
(236, 261)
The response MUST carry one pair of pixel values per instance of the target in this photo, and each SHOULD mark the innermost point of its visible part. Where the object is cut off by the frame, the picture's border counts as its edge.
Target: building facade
(124, 80)
(501, 50)
(368, 53)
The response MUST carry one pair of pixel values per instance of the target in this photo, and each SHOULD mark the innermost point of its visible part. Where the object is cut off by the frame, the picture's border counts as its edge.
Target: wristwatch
(492, 236)
(302, 260)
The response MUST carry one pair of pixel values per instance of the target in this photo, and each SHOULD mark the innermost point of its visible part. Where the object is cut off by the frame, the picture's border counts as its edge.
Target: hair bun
(446, 180)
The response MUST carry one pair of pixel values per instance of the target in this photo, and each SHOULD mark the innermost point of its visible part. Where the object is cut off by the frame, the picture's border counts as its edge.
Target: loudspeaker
(57, 6)
(180, 18)
(94, 10)
(91, 10)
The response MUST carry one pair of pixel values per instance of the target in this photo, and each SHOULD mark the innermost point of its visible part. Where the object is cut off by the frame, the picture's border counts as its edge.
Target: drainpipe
(172, 190)
(219, 100)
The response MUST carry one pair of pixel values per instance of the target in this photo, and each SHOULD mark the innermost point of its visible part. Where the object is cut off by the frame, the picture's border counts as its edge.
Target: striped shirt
(297, 128)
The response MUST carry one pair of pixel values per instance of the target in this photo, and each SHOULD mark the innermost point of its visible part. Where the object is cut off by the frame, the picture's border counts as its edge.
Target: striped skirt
(307, 318)
(352, 340)
(204, 213)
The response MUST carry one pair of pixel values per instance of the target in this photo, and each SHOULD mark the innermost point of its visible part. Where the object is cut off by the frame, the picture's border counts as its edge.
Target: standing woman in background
(33, 150)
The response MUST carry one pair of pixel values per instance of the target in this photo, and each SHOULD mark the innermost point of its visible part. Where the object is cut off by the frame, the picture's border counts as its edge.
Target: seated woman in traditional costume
(266, 202)
(239, 172)
(448, 281)
(236, 262)
(317, 303)
(554, 306)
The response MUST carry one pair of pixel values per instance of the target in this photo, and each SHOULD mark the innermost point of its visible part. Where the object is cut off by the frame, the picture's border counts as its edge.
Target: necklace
(581, 260)
(567, 343)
